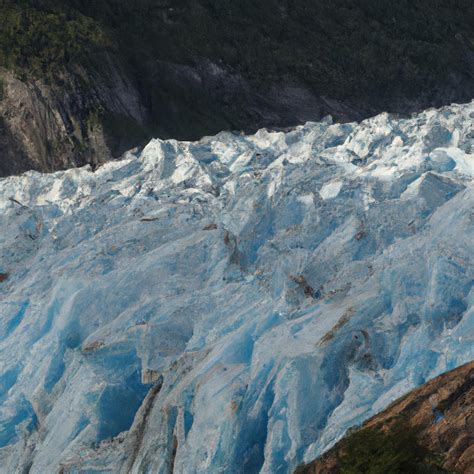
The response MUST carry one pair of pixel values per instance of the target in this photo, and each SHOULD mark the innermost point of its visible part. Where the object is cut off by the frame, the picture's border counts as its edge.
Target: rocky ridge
(442, 414)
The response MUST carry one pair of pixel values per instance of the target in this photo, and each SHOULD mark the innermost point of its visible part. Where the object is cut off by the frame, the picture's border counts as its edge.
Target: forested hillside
(185, 68)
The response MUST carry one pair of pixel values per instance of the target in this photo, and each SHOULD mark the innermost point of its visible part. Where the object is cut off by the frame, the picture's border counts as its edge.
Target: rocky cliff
(46, 127)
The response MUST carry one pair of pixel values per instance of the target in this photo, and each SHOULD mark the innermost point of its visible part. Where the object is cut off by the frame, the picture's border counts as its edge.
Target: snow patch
(331, 190)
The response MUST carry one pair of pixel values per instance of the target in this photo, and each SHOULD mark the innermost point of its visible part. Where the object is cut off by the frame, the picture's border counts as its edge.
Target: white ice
(235, 304)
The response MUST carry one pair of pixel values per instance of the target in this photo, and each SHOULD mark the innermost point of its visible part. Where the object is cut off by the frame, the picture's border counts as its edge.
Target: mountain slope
(84, 81)
(441, 412)
(233, 304)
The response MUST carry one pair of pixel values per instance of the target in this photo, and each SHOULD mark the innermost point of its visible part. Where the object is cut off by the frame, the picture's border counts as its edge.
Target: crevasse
(235, 304)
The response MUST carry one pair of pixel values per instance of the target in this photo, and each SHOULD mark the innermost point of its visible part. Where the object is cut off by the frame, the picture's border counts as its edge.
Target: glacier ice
(234, 304)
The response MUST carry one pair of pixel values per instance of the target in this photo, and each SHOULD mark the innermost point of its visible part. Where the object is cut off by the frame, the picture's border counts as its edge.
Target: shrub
(42, 42)
(397, 451)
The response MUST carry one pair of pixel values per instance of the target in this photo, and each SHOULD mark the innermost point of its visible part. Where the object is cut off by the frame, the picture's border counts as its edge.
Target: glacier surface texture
(235, 304)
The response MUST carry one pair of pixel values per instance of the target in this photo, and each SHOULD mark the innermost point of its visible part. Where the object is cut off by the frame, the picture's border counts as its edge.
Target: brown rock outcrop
(442, 412)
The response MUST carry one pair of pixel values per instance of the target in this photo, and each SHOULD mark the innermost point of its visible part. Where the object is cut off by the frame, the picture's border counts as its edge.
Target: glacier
(234, 304)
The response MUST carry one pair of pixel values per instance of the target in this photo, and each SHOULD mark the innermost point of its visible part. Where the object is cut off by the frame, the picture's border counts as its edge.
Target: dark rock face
(441, 412)
(189, 68)
(46, 127)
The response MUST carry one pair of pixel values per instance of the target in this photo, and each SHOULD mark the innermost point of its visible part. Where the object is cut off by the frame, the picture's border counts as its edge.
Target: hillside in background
(83, 81)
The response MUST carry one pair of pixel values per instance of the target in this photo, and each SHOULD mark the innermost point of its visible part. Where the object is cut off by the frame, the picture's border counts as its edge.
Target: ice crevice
(233, 304)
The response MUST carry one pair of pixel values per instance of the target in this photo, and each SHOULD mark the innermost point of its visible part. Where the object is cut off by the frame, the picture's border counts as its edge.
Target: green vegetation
(42, 41)
(368, 55)
(94, 118)
(397, 451)
(340, 48)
